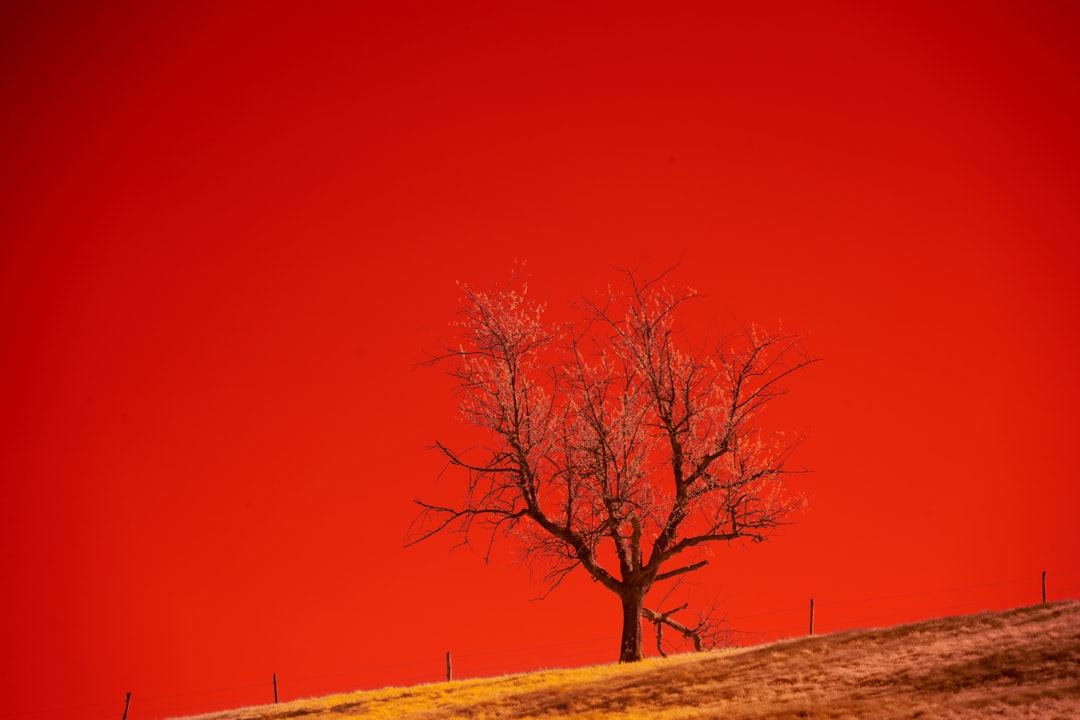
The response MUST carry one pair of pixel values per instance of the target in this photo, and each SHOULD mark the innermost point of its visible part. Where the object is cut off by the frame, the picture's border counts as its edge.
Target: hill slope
(1022, 663)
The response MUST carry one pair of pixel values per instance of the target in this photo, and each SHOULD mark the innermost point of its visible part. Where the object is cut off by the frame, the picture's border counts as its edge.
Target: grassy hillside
(1022, 663)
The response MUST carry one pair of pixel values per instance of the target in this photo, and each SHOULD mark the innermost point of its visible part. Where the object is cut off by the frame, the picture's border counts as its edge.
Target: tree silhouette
(613, 443)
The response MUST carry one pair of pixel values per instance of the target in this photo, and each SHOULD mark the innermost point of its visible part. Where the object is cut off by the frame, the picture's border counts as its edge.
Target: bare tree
(614, 444)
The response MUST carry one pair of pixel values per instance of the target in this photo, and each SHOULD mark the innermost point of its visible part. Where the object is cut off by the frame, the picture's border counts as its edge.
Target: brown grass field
(1022, 663)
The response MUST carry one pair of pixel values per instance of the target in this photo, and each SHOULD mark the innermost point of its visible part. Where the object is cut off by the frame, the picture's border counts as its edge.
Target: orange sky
(229, 234)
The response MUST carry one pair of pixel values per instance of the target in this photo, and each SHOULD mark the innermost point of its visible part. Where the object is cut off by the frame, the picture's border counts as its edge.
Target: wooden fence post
(449, 668)
(127, 704)
(275, 689)
(1044, 587)
(811, 616)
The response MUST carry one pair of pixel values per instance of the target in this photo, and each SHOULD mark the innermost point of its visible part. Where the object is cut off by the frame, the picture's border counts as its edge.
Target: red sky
(227, 234)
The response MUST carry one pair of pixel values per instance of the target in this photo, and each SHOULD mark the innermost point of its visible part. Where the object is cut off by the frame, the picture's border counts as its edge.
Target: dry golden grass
(1023, 663)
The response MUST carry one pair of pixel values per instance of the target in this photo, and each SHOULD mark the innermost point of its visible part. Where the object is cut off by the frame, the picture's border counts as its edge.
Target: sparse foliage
(615, 444)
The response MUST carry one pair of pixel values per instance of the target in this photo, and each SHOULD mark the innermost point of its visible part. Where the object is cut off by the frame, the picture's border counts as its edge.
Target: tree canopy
(615, 444)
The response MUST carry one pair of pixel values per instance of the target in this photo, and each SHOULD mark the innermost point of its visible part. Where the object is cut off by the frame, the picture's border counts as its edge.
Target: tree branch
(658, 618)
(681, 570)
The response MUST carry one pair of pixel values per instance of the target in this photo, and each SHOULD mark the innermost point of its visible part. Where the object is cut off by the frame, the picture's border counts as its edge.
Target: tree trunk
(631, 648)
